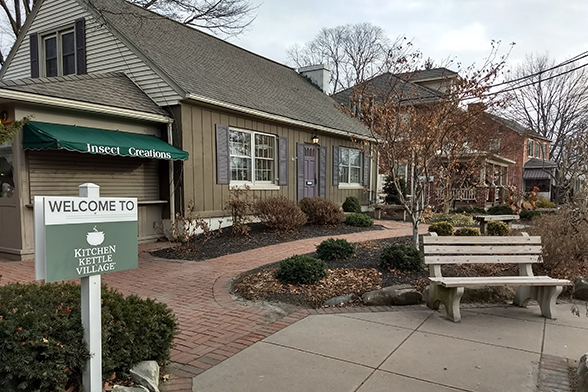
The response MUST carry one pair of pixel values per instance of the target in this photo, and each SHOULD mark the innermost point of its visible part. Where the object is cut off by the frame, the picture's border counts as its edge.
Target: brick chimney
(319, 75)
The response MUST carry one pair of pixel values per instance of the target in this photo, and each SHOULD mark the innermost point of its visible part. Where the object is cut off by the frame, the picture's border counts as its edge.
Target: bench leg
(450, 298)
(544, 295)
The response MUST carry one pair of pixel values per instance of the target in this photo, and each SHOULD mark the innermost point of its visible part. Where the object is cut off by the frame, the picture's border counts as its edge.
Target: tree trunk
(415, 233)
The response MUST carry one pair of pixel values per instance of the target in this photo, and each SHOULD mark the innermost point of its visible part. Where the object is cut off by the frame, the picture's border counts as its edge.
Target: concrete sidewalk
(409, 349)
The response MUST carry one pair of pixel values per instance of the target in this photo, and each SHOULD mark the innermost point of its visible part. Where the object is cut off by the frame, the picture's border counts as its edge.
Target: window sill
(256, 187)
(350, 186)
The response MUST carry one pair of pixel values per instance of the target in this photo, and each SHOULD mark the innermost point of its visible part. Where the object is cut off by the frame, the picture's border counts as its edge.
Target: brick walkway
(212, 326)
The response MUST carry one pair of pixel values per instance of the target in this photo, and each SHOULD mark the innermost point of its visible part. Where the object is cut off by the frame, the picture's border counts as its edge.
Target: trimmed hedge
(497, 228)
(400, 257)
(301, 269)
(528, 214)
(500, 210)
(441, 228)
(359, 220)
(351, 204)
(41, 335)
(333, 249)
(467, 232)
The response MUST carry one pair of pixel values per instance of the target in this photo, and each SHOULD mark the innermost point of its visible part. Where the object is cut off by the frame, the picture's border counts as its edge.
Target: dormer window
(59, 51)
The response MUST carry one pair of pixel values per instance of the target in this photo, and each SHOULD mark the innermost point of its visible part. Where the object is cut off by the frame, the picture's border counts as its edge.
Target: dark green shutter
(223, 174)
(34, 48)
(335, 165)
(80, 34)
(282, 160)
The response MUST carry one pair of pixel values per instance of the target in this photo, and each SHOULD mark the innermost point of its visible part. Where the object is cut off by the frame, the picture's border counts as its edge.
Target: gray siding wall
(104, 52)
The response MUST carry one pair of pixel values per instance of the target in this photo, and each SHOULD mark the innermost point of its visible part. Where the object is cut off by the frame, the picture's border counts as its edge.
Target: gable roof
(393, 86)
(206, 67)
(515, 126)
(424, 75)
(110, 89)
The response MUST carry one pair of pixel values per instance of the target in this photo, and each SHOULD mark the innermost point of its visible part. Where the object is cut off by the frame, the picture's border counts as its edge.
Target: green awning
(43, 136)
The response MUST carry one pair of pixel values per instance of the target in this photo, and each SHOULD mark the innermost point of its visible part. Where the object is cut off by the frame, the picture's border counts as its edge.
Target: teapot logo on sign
(95, 259)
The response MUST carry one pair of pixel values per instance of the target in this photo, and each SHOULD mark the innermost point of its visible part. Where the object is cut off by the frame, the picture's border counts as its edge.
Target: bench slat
(478, 240)
(482, 250)
(500, 281)
(489, 259)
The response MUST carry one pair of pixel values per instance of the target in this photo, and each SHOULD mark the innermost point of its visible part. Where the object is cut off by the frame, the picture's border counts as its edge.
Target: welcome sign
(84, 236)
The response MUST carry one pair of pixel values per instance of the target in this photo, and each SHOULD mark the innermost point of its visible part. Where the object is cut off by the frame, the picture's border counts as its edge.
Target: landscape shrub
(240, 204)
(351, 204)
(441, 228)
(392, 195)
(301, 269)
(280, 214)
(497, 228)
(528, 214)
(454, 219)
(321, 211)
(500, 210)
(359, 220)
(400, 257)
(190, 230)
(543, 202)
(41, 335)
(467, 232)
(333, 249)
(469, 210)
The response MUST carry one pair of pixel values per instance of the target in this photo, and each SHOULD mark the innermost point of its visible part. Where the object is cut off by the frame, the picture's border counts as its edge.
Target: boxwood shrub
(301, 269)
(528, 214)
(400, 257)
(500, 210)
(351, 204)
(41, 335)
(497, 228)
(441, 228)
(333, 249)
(467, 232)
(359, 220)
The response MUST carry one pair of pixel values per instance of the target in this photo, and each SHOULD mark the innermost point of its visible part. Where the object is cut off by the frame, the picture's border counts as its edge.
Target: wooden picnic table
(484, 219)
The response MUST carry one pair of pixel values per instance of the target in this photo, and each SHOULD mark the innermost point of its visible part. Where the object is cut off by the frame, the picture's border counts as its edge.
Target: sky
(457, 29)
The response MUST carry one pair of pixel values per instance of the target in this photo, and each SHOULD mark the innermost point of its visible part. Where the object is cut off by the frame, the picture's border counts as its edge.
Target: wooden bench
(522, 249)
(484, 219)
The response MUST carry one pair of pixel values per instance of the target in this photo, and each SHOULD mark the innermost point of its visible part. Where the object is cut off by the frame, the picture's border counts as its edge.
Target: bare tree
(553, 101)
(353, 53)
(433, 136)
(221, 17)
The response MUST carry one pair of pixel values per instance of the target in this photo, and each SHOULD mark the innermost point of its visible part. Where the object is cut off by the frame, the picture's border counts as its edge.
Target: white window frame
(349, 167)
(258, 184)
(58, 35)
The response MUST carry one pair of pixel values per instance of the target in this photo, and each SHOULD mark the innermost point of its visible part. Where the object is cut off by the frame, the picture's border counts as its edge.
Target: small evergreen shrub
(301, 269)
(392, 195)
(543, 202)
(351, 204)
(528, 214)
(441, 228)
(333, 249)
(500, 210)
(469, 210)
(454, 219)
(280, 214)
(322, 212)
(359, 220)
(41, 335)
(467, 232)
(400, 257)
(497, 228)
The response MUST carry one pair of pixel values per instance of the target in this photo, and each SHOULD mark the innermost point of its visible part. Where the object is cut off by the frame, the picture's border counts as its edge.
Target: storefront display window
(6, 171)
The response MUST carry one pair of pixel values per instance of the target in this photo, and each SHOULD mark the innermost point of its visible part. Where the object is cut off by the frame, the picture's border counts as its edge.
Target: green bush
(500, 210)
(454, 219)
(333, 249)
(351, 204)
(41, 335)
(528, 214)
(467, 232)
(359, 220)
(469, 210)
(441, 228)
(322, 212)
(392, 195)
(301, 269)
(497, 228)
(543, 202)
(280, 214)
(400, 257)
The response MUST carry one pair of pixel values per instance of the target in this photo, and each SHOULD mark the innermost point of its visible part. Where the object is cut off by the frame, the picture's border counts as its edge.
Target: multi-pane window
(252, 157)
(59, 53)
(349, 166)
(537, 150)
(529, 148)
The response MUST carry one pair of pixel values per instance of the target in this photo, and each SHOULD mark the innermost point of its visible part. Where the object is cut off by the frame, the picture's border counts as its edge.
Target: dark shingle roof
(390, 86)
(515, 126)
(111, 89)
(535, 163)
(428, 74)
(206, 66)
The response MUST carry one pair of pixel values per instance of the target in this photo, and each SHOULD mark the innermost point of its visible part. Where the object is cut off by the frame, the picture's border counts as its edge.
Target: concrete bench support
(544, 295)
(450, 297)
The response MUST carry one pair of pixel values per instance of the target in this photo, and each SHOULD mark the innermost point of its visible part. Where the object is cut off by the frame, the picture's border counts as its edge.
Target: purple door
(309, 170)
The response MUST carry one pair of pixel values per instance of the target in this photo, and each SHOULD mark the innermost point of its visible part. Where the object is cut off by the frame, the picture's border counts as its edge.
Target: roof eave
(276, 117)
(82, 106)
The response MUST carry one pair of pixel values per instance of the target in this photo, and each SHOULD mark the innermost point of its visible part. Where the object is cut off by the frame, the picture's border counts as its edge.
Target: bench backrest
(481, 249)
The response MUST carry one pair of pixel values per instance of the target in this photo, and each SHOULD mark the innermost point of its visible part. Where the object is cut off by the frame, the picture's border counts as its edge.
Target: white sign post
(82, 237)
